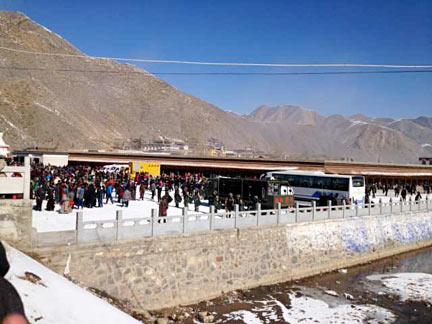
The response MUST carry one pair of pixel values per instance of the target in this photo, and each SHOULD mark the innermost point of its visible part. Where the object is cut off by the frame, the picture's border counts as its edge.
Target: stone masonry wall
(16, 222)
(165, 271)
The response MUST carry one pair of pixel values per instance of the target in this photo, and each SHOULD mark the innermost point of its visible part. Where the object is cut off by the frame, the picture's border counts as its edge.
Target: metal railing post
(296, 211)
(329, 209)
(119, 220)
(279, 209)
(410, 203)
(313, 209)
(79, 224)
(391, 205)
(401, 202)
(380, 206)
(357, 210)
(27, 176)
(369, 208)
(236, 214)
(258, 213)
(212, 210)
(427, 202)
(344, 208)
(153, 220)
(185, 219)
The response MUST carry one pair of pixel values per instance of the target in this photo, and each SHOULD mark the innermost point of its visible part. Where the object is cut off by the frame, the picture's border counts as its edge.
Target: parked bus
(309, 185)
(266, 192)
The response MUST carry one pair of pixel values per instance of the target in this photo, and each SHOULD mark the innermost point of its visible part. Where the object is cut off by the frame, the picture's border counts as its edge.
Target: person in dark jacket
(11, 306)
(177, 197)
(100, 194)
(322, 200)
(92, 196)
(229, 203)
(403, 194)
(159, 191)
(51, 201)
(40, 196)
(196, 200)
(167, 197)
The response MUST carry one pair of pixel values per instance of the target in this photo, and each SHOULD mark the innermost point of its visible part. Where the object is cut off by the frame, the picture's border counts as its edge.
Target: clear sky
(285, 31)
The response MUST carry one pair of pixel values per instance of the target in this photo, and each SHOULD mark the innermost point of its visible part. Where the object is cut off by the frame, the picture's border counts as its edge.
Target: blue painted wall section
(362, 235)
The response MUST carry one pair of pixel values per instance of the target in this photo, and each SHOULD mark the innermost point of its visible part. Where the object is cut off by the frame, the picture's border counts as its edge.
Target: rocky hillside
(87, 103)
(70, 102)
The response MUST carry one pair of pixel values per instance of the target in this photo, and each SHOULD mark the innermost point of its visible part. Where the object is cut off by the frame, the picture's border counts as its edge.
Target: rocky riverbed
(394, 290)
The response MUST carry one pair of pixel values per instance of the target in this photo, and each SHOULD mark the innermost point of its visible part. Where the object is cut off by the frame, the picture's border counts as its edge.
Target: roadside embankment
(163, 271)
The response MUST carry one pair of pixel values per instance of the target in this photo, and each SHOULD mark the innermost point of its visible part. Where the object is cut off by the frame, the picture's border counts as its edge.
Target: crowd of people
(400, 190)
(82, 186)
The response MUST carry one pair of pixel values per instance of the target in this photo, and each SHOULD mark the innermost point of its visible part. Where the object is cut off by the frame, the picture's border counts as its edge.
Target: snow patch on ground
(47, 108)
(9, 123)
(409, 286)
(43, 106)
(55, 299)
(245, 316)
(309, 310)
(357, 122)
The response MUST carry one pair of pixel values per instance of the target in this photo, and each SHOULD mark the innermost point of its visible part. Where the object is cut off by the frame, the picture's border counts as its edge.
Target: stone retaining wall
(16, 222)
(164, 271)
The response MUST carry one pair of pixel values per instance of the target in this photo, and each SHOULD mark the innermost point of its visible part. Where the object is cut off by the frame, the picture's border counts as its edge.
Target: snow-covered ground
(386, 199)
(48, 221)
(408, 286)
(54, 299)
(309, 310)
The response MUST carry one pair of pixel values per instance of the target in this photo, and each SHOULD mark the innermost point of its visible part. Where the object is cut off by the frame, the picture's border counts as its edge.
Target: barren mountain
(81, 102)
(296, 114)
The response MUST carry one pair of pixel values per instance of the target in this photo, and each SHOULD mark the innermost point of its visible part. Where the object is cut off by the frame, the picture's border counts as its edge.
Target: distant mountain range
(87, 103)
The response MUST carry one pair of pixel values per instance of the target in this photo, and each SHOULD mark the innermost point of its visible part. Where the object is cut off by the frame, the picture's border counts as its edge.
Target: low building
(425, 160)
(53, 158)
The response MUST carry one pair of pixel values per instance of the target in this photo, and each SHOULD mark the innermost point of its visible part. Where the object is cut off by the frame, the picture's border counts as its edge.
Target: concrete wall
(16, 222)
(164, 271)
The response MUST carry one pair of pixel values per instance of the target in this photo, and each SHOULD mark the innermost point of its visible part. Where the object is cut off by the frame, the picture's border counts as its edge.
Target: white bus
(309, 185)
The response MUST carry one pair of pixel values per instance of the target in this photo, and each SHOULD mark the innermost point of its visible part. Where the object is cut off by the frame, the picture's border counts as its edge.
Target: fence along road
(118, 229)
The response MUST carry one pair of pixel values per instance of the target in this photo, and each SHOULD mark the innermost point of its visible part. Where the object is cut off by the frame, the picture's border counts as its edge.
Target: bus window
(305, 181)
(340, 184)
(322, 182)
(293, 180)
(358, 181)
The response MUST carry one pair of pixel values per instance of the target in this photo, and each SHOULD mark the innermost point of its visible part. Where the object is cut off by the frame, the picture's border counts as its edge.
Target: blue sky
(375, 32)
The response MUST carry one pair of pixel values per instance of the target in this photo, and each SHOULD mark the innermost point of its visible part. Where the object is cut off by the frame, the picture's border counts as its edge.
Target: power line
(217, 73)
(243, 64)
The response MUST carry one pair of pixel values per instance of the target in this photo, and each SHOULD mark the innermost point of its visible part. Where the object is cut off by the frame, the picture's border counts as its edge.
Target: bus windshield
(358, 181)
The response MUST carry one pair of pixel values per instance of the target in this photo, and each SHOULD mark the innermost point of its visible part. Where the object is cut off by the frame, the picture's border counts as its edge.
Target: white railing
(154, 225)
(16, 180)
